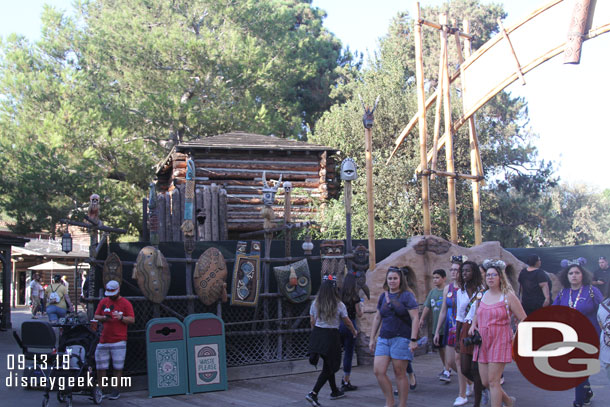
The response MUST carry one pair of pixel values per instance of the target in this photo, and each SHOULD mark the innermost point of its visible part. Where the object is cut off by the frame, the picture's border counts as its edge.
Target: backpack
(54, 298)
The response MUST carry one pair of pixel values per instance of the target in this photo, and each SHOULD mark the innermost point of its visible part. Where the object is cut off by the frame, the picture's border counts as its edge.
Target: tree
(506, 143)
(105, 93)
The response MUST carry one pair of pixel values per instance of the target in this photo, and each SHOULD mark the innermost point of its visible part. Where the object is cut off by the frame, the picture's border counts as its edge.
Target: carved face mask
(269, 191)
(348, 170)
(294, 281)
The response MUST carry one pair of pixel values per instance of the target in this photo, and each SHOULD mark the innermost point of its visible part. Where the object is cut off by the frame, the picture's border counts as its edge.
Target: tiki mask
(152, 273)
(368, 119)
(333, 261)
(361, 265)
(348, 170)
(269, 191)
(294, 281)
(190, 169)
(94, 207)
(113, 270)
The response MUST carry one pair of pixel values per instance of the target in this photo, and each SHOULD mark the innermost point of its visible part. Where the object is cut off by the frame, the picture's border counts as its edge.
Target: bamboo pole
(440, 27)
(476, 165)
(439, 104)
(368, 136)
(421, 99)
(512, 50)
(456, 175)
(448, 131)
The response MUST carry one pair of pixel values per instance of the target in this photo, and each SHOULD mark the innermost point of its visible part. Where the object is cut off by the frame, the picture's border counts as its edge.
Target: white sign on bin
(207, 364)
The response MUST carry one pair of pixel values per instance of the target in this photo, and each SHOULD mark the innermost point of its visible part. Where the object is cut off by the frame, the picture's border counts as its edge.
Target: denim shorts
(395, 348)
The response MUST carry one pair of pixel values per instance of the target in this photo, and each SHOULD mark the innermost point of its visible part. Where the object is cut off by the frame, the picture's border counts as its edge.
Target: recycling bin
(206, 352)
(166, 357)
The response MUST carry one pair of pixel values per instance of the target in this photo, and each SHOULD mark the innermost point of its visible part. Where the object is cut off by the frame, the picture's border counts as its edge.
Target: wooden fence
(210, 213)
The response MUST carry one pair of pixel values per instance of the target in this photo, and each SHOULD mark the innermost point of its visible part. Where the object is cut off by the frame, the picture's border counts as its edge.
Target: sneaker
(336, 395)
(313, 399)
(485, 397)
(413, 385)
(588, 397)
(460, 401)
(347, 386)
(445, 377)
(469, 390)
(396, 392)
(114, 394)
(502, 380)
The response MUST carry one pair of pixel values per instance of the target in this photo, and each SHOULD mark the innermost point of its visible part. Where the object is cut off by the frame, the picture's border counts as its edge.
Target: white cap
(112, 288)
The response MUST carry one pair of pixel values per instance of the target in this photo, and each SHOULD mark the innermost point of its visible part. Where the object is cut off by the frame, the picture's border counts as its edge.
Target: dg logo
(556, 348)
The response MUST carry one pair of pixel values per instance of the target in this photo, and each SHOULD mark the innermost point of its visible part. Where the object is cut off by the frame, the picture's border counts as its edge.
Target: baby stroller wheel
(61, 396)
(97, 395)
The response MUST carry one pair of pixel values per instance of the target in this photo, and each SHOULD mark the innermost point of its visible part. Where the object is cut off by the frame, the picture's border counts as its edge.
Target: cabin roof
(237, 140)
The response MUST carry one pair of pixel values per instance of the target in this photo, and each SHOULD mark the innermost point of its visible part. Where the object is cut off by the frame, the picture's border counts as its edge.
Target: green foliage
(100, 99)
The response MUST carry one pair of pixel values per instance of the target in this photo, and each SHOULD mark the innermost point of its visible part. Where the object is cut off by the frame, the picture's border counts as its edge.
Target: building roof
(51, 248)
(239, 140)
(249, 141)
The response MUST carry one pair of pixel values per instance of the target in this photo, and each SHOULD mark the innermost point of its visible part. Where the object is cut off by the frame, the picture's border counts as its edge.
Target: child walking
(325, 313)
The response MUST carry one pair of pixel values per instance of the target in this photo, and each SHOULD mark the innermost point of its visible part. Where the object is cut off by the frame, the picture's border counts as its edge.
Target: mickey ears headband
(496, 264)
(458, 259)
(330, 277)
(581, 261)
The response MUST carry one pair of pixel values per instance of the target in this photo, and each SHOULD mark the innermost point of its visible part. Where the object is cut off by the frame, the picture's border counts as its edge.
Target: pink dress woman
(496, 334)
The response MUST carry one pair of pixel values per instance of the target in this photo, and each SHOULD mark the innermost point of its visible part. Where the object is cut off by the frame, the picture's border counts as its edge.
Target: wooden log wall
(238, 175)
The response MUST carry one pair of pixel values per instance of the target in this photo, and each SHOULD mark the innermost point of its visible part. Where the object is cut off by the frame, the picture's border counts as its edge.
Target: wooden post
(476, 167)
(421, 99)
(207, 204)
(449, 133)
(287, 215)
(215, 231)
(347, 192)
(577, 31)
(368, 136)
(439, 103)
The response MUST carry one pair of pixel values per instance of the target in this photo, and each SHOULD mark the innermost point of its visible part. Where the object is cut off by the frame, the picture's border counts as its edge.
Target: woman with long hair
(398, 317)
(445, 329)
(325, 313)
(351, 299)
(470, 285)
(492, 321)
(579, 294)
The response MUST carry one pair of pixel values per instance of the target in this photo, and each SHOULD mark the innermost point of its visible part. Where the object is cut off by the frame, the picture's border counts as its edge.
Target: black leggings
(327, 374)
(471, 371)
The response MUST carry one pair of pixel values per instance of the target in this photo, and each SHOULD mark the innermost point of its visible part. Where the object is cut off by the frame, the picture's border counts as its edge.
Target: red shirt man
(115, 312)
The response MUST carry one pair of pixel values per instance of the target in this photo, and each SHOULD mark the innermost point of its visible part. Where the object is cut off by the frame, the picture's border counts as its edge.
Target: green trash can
(207, 358)
(166, 357)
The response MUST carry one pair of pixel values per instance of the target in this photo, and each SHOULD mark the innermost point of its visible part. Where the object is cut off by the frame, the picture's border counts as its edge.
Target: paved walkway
(291, 390)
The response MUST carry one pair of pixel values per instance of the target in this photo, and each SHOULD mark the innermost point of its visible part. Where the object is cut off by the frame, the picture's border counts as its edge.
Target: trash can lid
(165, 332)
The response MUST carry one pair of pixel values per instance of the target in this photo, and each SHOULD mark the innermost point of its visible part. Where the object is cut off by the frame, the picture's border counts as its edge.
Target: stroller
(72, 363)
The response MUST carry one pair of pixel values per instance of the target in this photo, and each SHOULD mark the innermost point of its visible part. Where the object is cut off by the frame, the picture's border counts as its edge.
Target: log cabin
(229, 170)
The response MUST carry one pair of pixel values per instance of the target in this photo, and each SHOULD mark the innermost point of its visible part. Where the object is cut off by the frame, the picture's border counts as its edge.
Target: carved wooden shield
(210, 275)
(152, 273)
(113, 269)
(245, 285)
(295, 287)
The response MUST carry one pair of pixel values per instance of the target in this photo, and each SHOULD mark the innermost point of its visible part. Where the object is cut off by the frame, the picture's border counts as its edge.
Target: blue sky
(567, 103)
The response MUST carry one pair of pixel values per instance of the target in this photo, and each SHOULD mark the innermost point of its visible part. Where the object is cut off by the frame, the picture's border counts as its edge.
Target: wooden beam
(421, 98)
(439, 104)
(476, 164)
(450, 174)
(440, 27)
(512, 50)
(368, 136)
(448, 131)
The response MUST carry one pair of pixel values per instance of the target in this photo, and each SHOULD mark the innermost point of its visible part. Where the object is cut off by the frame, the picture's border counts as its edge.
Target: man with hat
(115, 313)
(601, 277)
